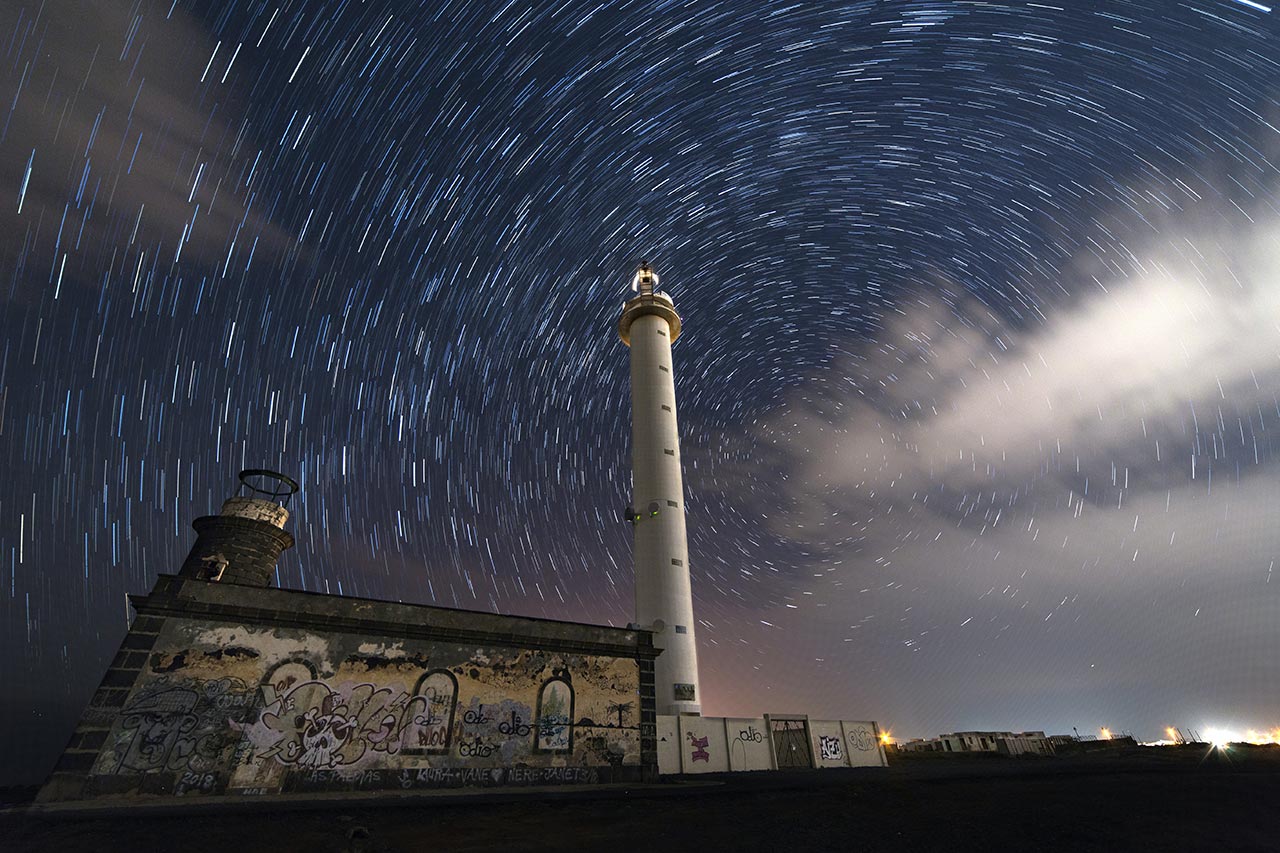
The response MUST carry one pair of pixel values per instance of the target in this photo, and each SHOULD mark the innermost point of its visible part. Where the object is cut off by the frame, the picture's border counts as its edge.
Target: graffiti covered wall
(233, 709)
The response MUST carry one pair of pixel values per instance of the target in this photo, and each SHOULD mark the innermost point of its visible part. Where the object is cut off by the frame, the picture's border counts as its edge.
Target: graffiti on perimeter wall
(829, 748)
(861, 738)
(299, 712)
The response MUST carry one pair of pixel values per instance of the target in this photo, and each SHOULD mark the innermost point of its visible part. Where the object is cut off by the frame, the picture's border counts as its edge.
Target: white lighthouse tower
(664, 602)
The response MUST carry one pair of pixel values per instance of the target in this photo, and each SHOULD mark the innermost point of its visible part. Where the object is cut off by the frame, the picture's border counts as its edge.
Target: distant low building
(1004, 743)
(1062, 742)
(1026, 743)
(1015, 744)
(919, 745)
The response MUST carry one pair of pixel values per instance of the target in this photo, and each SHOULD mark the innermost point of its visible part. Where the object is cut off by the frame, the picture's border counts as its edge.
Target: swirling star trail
(979, 376)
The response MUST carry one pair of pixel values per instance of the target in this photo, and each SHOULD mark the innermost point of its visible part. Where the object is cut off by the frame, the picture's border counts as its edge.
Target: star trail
(978, 380)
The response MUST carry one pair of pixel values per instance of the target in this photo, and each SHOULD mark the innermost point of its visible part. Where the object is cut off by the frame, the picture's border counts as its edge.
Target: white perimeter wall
(703, 748)
(717, 744)
(668, 745)
(863, 747)
(828, 743)
(749, 747)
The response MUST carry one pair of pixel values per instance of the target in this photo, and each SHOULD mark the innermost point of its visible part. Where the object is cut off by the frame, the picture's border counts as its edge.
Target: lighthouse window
(664, 334)
(664, 367)
(676, 562)
(666, 408)
(680, 629)
(669, 452)
(672, 503)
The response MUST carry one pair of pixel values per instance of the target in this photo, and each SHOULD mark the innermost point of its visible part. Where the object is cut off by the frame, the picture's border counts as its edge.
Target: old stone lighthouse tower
(664, 603)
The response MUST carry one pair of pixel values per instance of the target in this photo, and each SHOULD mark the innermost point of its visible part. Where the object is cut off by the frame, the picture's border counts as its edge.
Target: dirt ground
(1145, 800)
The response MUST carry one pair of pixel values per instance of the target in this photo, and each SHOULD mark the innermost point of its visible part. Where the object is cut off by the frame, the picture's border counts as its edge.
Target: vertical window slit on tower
(669, 451)
(676, 562)
(672, 503)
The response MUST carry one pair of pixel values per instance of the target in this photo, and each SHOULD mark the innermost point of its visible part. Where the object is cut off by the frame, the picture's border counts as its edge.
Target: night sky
(977, 386)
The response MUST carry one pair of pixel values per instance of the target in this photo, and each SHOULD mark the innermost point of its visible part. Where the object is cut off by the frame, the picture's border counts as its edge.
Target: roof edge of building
(185, 597)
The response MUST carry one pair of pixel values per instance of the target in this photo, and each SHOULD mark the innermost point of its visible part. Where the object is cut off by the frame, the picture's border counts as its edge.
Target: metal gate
(791, 743)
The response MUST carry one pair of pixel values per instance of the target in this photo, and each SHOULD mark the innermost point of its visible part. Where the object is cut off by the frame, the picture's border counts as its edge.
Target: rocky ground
(1144, 799)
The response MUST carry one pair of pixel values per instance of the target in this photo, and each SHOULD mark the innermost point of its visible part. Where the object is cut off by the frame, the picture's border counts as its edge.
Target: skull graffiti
(323, 736)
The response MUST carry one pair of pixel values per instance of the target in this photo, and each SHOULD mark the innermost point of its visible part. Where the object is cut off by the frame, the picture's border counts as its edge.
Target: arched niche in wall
(430, 726)
(282, 678)
(555, 714)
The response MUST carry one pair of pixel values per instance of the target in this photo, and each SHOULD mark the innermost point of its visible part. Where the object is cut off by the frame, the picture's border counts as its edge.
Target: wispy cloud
(110, 139)
(1162, 381)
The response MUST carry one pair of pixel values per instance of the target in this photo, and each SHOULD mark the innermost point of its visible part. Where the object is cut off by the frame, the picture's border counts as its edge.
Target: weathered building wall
(216, 706)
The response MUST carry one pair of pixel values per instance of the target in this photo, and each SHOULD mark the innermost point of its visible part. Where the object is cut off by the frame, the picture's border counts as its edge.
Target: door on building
(791, 743)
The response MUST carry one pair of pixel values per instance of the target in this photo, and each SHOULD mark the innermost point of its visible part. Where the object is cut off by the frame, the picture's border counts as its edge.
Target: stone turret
(243, 542)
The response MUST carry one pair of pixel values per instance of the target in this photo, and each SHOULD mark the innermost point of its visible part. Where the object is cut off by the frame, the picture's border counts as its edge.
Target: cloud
(1158, 383)
(1069, 520)
(112, 141)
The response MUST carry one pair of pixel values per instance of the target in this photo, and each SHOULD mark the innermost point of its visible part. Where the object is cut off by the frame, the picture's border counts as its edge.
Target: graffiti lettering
(861, 739)
(739, 747)
(504, 734)
(516, 727)
(433, 737)
(552, 731)
(442, 777)
(345, 778)
(476, 749)
(200, 783)
(544, 775)
(476, 718)
(178, 725)
(226, 701)
(445, 777)
(829, 748)
(699, 745)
